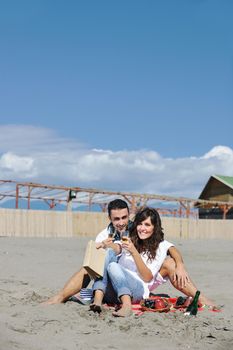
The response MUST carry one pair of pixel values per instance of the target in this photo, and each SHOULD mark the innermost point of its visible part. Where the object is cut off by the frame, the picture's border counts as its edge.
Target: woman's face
(145, 229)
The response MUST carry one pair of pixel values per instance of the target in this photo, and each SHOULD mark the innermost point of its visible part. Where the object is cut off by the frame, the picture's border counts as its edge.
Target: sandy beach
(33, 269)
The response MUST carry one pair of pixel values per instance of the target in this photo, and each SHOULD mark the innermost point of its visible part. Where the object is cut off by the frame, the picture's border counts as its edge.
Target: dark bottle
(180, 301)
(193, 307)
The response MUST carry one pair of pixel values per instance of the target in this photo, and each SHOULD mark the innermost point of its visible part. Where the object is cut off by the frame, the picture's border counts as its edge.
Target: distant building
(219, 188)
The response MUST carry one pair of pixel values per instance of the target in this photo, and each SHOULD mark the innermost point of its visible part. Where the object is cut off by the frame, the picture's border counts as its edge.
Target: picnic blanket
(85, 298)
(139, 310)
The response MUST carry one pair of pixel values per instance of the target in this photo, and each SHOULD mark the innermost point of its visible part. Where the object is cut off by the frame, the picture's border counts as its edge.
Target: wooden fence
(41, 223)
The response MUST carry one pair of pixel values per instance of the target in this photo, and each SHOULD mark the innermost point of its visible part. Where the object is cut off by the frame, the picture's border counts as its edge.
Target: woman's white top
(127, 261)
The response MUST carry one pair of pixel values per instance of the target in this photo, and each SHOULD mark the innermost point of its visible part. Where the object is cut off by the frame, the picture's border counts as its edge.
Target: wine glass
(125, 239)
(111, 234)
(125, 236)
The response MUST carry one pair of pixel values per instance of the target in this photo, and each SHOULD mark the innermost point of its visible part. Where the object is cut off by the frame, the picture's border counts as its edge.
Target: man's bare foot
(205, 301)
(56, 299)
(124, 311)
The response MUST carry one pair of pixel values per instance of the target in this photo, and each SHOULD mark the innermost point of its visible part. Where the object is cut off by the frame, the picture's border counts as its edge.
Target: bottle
(193, 307)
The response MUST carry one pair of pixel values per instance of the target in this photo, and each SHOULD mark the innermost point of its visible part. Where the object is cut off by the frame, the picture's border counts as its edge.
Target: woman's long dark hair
(150, 245)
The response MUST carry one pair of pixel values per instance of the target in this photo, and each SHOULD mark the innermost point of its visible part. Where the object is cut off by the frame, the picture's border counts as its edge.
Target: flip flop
(95, 308)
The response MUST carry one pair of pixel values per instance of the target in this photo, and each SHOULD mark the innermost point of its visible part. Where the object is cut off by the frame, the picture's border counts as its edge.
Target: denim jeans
(117, 281)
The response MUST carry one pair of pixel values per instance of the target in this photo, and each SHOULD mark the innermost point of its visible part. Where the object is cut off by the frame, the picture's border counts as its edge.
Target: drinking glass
(125, 236)
(111, 234)
(124, 239)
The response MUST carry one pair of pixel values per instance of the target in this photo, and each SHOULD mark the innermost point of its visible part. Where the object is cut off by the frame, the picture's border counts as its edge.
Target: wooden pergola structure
(88, 197)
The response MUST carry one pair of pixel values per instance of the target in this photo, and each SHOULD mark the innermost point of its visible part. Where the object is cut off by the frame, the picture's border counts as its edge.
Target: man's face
(119, 219)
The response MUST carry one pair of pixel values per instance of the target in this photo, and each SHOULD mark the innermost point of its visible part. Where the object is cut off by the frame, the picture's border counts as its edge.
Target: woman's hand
(128, 245)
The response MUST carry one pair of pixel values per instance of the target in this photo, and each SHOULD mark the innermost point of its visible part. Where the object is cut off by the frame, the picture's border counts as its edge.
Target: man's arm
(108, 243)
(103, 241)
(180, 275)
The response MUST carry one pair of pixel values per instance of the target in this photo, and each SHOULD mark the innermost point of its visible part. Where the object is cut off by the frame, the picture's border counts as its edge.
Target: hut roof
(226, 180)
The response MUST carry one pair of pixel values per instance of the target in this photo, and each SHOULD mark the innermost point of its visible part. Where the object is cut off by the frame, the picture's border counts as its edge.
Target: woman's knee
(115, 271)
(110, 256)
(113, 267)
(111, 252)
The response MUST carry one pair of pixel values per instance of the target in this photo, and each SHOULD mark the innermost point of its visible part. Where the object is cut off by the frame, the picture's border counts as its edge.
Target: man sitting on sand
(118, 212)
(172, 268)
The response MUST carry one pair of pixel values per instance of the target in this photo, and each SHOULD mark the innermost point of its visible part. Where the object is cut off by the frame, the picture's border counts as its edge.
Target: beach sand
(33, 269)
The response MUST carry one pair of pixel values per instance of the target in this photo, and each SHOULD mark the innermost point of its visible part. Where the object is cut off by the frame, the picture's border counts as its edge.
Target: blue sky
(122, 95)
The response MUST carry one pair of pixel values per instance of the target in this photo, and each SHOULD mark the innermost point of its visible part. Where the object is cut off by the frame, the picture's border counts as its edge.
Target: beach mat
(86, 298)
(139, 310)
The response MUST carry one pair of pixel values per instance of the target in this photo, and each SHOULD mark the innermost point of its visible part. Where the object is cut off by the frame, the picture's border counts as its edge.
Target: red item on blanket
(139, 309)
(155, 304)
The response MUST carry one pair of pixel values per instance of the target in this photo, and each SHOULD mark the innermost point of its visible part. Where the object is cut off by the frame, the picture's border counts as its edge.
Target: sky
(126, 95)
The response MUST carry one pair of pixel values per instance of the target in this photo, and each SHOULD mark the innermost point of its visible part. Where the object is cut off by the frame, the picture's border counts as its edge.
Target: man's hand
(107, 243)
(181, 276)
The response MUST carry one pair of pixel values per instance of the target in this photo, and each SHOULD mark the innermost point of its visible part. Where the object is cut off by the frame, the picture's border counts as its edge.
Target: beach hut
(219, 188)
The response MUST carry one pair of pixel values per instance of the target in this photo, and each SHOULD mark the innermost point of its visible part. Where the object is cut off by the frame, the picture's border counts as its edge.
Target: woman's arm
(144, 271)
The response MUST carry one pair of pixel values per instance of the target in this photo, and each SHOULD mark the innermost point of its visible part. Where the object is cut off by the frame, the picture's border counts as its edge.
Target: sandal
(95, 308)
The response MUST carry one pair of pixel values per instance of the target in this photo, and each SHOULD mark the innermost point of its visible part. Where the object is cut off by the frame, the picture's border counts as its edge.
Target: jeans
(117, 281)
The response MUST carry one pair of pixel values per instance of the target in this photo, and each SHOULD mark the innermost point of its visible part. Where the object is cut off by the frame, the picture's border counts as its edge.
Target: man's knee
(167, 267)
(86, 280)
(83, 271)
(81, 277)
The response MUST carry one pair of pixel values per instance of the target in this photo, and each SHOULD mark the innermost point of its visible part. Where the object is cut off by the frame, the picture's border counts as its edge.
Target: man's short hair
(117, 204)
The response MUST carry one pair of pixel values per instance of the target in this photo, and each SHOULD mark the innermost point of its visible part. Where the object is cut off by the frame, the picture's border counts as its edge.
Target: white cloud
(40, 155)
(15, 163)
(219, 152)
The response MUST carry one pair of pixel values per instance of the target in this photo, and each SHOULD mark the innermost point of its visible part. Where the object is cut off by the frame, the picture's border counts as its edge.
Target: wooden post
(17, 197)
